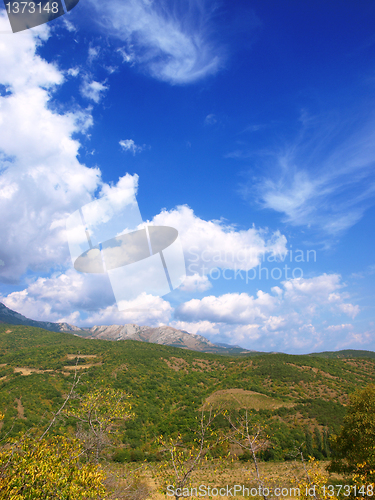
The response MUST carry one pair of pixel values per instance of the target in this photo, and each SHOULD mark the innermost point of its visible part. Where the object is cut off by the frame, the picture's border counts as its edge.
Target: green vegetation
(301, 399)
(354, 446)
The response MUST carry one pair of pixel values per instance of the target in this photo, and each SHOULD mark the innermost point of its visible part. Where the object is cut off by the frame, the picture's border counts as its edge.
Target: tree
(97, 412)
(48, 469)
(251, 437)
(184, 459)
(354, 447)
(311, 482)
(51, 468)
(308, 444)
(318, 443)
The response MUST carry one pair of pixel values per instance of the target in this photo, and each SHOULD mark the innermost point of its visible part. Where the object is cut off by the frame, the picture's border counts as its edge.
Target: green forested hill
(298, 396)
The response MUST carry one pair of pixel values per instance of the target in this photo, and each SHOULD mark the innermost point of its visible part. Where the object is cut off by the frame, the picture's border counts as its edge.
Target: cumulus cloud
(41, 180)
(171, 41)
(196, 283)
(205, 328)
(129, 145)
(120, 193)
(73, 72)
(364, 340)
(144, 310)
(291, 318)
(215, 244)
(50, 299)
(84, 300)
(235, 308)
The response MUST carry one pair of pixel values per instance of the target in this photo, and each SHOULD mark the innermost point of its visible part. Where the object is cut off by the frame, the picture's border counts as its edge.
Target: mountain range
(165, 335)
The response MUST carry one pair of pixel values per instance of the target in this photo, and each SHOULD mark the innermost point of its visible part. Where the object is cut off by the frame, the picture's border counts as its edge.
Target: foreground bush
(48, 469)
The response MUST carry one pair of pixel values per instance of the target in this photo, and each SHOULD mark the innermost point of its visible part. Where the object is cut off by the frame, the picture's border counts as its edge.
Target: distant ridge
(14, 318)
(164, 335)
(345, 353)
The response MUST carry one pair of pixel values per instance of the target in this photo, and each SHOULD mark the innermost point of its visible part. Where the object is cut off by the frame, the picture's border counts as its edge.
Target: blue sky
(247, 126)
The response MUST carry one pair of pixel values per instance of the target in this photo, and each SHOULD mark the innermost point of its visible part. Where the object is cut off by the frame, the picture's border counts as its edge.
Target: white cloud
(93, 54)
(172, 43)
(69, 25)
(291, 318)
(144, 310)
(337, 328)
(129, 145)
(65, 296)
(20, 67)
(235, 308)
(320, 287)
(126, 57)
(93, 90)
(325, 291)
(213, 244)
(49, 299)
(324, 179)
(41, 180)
(196, 283)
(73, 72)
(202, 327)
(349, 309)
(363, 340)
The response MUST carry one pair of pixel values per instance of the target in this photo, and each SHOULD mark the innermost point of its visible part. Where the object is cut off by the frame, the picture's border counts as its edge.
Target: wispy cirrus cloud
(324, 179)
(210, 119)
(171, 40)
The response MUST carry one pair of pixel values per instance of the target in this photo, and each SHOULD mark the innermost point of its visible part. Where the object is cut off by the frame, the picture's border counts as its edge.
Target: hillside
(296, 394)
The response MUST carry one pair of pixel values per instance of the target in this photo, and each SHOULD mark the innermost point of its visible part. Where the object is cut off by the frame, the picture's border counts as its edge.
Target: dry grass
(218, 474)
(20, 409)
(81, 367)
(239, 398)
(313, 369)
(28, 371)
